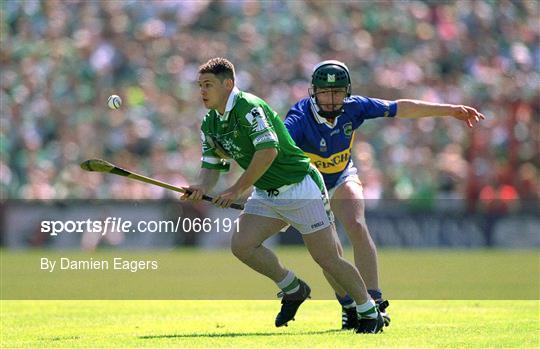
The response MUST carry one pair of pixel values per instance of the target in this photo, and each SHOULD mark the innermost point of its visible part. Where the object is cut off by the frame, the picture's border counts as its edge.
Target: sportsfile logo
(70, 226)
(118, 224)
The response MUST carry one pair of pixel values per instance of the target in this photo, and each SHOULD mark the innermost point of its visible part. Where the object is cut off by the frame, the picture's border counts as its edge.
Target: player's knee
(357, 226)
(236, 249)
(240, 249)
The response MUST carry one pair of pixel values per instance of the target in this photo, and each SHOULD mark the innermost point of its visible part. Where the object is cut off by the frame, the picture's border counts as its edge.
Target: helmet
(329, 74)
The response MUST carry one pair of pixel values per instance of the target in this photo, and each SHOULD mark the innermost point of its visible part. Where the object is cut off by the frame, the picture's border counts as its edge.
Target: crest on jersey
(331, 77)
(322, 145)
(347, 129)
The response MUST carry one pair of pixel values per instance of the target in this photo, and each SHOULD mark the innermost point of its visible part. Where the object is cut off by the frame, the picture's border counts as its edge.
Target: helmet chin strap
(324, 114)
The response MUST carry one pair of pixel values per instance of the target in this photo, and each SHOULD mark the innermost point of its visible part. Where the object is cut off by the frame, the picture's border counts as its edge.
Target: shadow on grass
(60, 338)
(237, 334)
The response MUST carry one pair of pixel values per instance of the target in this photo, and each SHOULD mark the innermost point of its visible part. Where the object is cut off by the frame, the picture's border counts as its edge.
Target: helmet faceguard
(330, 75)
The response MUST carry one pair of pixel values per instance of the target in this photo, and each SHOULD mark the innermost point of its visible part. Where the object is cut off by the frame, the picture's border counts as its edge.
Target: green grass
(249, 324)
(439, 299)
(217, 274)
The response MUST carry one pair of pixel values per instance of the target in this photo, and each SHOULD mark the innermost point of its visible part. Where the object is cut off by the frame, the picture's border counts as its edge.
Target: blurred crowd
(62, 59)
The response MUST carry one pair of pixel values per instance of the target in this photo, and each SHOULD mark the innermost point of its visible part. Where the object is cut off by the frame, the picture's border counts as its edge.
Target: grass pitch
(187, 274)
(491, 300)
(249, 324)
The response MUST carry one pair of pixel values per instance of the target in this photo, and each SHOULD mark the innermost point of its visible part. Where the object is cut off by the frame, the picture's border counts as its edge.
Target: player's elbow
(269, 154)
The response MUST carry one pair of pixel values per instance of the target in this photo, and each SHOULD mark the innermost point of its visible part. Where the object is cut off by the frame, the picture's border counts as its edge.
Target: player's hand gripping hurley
(98, 165)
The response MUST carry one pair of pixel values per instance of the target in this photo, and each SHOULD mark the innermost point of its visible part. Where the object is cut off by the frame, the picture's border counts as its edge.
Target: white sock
(289, 284)
(367, 309)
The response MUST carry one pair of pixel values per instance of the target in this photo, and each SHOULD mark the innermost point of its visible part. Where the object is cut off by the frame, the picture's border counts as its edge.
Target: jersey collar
(231, 101)
(317, 117)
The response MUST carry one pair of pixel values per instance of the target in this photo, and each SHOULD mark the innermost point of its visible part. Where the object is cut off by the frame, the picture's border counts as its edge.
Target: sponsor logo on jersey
(257, 119)
(335, 132)
(333, 164)
(228, 147)
(265, 137)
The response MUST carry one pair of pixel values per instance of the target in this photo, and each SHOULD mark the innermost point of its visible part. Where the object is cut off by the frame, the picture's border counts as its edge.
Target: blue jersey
(329, 146)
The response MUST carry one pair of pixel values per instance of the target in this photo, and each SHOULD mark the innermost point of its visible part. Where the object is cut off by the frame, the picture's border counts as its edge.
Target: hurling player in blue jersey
(323, 126)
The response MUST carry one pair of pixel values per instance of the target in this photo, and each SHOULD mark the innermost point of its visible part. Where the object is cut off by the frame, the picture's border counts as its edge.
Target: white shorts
(349, 175)
(303, 205)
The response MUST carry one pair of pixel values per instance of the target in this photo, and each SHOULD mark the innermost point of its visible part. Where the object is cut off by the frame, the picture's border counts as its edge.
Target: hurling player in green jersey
(287, 191)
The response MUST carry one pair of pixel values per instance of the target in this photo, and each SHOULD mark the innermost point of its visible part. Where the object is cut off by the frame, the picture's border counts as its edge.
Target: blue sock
(345, 301)
(375, 294)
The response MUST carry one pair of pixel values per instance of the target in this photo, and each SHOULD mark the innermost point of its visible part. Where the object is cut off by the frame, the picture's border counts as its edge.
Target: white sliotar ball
(114, 102)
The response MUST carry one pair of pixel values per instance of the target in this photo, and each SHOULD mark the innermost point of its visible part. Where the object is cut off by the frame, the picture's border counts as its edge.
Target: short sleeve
(262, 133)
(371, 108)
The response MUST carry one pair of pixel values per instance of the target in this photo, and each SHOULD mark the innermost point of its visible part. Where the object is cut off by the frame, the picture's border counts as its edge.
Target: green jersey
(248, 125)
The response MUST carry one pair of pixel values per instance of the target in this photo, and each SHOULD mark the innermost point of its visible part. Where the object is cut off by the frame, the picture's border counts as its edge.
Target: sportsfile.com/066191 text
(118, 224)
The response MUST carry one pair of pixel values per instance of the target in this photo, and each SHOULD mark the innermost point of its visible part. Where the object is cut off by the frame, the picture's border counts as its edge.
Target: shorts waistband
(276, 191)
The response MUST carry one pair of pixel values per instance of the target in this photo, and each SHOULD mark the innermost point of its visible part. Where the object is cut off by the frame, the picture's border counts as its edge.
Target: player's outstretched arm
(409, 108)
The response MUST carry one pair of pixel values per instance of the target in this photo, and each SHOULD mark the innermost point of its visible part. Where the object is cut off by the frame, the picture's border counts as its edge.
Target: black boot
(291, 302)
(349, 318)
(369, 325)
(382, 304)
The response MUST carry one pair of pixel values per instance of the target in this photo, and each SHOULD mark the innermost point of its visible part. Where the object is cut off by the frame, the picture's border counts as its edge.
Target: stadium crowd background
(62, 59)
